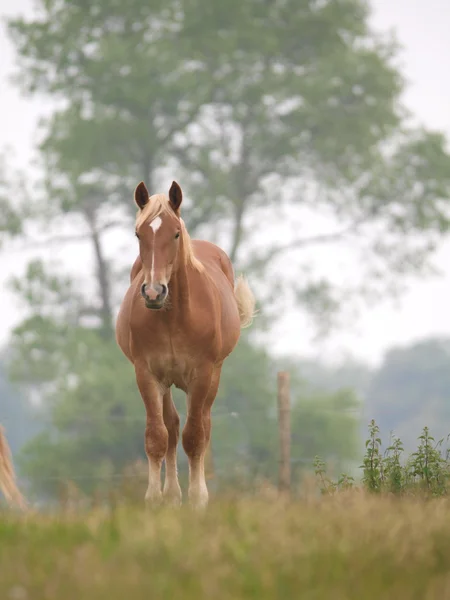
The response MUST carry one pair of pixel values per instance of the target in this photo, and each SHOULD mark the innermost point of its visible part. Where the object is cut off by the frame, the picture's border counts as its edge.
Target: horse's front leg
(197, 431)
(172, 490)
(156, 434)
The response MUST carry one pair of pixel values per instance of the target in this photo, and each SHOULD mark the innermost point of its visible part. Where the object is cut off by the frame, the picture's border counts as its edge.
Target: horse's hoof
(173, 501)
(153, 499)
(199, 503)
(172, 495)
(172, 498)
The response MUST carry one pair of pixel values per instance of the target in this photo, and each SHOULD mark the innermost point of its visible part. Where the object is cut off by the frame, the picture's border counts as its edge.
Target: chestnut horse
(179, 320)
(8, 484)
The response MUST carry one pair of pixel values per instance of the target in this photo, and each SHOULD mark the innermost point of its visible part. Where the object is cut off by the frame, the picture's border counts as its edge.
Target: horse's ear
(175, 196)
(141, 195)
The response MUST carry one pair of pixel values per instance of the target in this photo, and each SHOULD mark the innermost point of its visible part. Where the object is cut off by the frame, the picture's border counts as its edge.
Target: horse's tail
(245, 301)
(7, 476)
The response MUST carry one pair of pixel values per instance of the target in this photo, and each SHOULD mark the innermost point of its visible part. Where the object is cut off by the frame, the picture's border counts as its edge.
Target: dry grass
(350, 546)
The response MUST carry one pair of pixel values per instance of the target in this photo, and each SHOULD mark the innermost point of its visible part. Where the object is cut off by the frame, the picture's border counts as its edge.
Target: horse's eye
(136, 234)
(177, 235)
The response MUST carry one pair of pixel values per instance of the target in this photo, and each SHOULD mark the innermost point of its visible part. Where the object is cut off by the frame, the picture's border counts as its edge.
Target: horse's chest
(173, 352)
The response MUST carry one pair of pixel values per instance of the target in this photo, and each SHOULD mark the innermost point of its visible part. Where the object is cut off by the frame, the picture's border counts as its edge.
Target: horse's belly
(171, 369)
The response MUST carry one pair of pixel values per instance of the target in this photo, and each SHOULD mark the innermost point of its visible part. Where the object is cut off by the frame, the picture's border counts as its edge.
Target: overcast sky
(422, 28)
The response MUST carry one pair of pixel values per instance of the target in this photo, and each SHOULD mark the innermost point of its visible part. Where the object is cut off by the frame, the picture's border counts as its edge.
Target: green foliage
(242, 103)
(426, 472)
(15, 206)
(327, 424)
(16, 415)
(267, 112)
(244, 441)
(412, 387)
(94, 422)
(393, 471)
(92, 418)
(327, 485)
(44, 346)
(428, 466)
(373, 460)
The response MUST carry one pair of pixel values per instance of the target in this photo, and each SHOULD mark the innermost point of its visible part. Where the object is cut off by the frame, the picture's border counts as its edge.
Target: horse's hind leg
(197, 432)
(172, 490)
(156, 434)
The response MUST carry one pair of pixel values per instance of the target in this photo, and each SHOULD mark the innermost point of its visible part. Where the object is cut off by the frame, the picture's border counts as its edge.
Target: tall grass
(349, 546)
(385, 538)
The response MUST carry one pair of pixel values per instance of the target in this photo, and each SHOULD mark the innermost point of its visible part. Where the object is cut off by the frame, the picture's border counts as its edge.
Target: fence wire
(228, 458)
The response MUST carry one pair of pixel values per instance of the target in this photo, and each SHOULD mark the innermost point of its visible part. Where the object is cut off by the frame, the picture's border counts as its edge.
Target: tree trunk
(102, 274)
(243, 189)
(106, 313)
(147, 172)
(237, 231)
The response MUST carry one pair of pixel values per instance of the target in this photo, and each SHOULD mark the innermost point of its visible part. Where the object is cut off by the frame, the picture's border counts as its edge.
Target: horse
(8, 484)
(180, 318)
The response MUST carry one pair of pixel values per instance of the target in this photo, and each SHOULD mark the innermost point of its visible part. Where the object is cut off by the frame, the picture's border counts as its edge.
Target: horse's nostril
(154, 292)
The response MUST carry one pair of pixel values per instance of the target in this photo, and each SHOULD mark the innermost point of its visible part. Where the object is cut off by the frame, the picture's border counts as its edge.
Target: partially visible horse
(8, 484)
(179, 320)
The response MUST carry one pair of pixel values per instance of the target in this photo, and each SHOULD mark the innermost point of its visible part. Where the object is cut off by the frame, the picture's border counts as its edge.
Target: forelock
(157, 205)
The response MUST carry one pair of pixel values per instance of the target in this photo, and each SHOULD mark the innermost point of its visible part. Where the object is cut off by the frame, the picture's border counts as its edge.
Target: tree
(244, 443)
(411, 390)
(16, 416)
(92, 418)
(311, 376)
(327, 406)
(269, 112)
(123, 97)
(328, 425)
(12, 213)
(244, 102)
(85, 389)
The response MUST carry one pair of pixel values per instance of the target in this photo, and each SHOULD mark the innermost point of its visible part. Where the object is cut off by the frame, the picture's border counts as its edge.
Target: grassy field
(350, 546)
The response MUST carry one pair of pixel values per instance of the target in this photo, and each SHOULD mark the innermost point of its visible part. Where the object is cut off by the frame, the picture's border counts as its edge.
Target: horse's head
(158, 228)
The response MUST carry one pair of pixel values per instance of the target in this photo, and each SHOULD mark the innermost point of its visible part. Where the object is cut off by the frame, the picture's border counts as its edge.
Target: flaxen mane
(157, 205)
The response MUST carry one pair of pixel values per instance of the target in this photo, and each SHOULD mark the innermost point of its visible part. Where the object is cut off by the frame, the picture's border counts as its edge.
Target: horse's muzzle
(154, 295)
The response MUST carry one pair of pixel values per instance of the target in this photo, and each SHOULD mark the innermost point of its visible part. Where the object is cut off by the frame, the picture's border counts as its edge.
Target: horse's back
(220, 269)
(211, 255)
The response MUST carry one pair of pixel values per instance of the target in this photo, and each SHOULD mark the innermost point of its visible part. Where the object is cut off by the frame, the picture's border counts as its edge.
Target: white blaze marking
(155, 225)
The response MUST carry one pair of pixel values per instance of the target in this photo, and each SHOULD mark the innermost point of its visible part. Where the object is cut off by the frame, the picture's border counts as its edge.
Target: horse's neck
(181, 285)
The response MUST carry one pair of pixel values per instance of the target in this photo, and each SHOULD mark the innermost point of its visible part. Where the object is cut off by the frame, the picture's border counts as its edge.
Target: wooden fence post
(284, 427)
